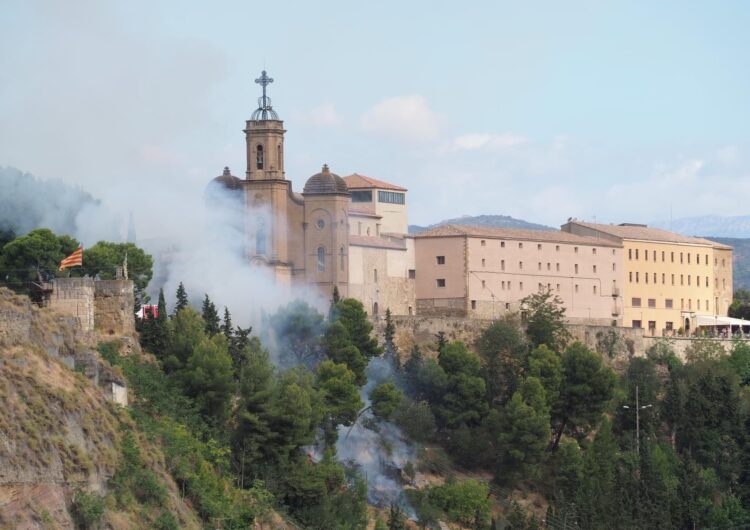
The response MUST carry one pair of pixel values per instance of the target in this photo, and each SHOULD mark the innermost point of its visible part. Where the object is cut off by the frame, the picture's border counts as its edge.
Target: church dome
(227, 180)
(325, 182)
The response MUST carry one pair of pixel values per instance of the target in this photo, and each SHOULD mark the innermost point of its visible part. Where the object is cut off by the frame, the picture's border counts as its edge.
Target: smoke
(27, 202)
(378, 447)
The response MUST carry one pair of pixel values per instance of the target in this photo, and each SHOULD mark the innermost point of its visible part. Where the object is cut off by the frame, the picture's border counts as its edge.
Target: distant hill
(718, 226)
(741, 259)
(490, 221)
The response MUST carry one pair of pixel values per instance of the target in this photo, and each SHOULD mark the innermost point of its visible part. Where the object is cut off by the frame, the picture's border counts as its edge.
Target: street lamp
(638, 409)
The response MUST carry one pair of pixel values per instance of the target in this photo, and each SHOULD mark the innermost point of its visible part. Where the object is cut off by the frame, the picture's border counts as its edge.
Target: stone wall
(442, 307)
(75, 297)
(15, 318)
(113, 307)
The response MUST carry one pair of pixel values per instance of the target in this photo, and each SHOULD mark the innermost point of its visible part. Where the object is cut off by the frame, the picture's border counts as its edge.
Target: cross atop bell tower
(265, 109)
(264, 133)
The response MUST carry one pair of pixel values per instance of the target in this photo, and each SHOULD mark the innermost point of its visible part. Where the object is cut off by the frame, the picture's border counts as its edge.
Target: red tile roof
(552, 236)
(647, 233)
(357, 181)
(363, 210)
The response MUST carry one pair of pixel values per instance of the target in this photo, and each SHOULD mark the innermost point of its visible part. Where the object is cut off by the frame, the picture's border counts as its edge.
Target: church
(346, 232)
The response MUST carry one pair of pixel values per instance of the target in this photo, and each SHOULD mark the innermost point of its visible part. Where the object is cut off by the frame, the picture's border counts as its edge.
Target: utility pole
(638, 409)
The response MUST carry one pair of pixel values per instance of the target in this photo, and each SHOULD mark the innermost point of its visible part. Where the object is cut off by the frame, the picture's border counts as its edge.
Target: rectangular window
(673, 279)
(662, 256)
(706, 259)
(412, 274)
(636, 253)
(520, 265)
(654, 277)
(668, 303)
(688, 258)
(483, 284)
(539, 246)
(502, 265)
(482, 262)
(593, 250)
(520, 245)
(441, 282)
(594, 269)
(473, 304)
(502, 244)
(663, 278)
(635, 302)
(645, 277)
(682, 303)
(681, 260)
(391, 197)
(594, 289)
(614, 267)
(520, 286)
(671, 257)
(549, 265)
(440, 260)
(645, 254)
(375, 275)
(682, 279)
(706, 281)
(557, 267)
(630, 274)
(558, 287)
(539, 266)
(482, 242)
(636, 277)
(576, 268)
(699, 304)
(557, 248)
(630, 253)
(576, 288)
(668, 326)
(637, 324)
(688, 276)
(362, 196)
(575, 250)
(652, 326)
(652, 302)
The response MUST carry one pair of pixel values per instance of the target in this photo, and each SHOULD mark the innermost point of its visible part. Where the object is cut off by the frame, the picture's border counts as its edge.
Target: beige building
(485, 272)
(669, 279)
(348, 233)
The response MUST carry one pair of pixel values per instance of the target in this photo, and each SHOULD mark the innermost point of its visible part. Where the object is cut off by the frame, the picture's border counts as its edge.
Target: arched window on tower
(259, 157)
(279, 158)
(260, 236)
(321, 259)
(341, 259)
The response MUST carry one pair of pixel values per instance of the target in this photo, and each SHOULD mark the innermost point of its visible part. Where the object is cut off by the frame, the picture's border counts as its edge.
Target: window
(520, 265)
(593, 250)
(682, 303)
(630, 253)
(682, 279)
(507, 305)
(652, 326)
(539, 246)
(699, 304)
(663, 278)
(688, 254)
(576, 268)
(391, 197)
(690, 304)
(594, 289)
(259, 157)
(630, 274)
(669, 326)
(576, 288)
(673, 279)
(341, 258)
(473, 304)
(503, 285)
(540, 287)
(697, 259)
(362, 196)
(375, 275)
(482, 242)
(706, 259)
(557, 248)
(321, 259)
(520, 286)
(645, 254)
(441, 282)
(482, 262)
(681, 260)
(688, 276)
(483, 284)
(668, 303)
(636, 253)
(662, 256)
(520, 245)
(412, 274)
(594, 269)
(723, 262)
(637, 324)
(654, 277)
(645, 277)
(635, 302)
(549, 265)
(652, 302)
(440, 260)
(671, 257)
(502, 244)
(636, 277)
(575, 250)
(539, 266)
(320, 223)
(557, 267)
(558, 287)
(614, 267)
(502, 265)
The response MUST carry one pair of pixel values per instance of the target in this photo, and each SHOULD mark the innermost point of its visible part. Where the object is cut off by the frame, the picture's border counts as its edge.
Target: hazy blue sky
(540, 110)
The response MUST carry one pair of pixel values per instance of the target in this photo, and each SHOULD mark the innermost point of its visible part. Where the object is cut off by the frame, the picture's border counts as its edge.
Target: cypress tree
(210, 316)
(226, 327)
(182, 299)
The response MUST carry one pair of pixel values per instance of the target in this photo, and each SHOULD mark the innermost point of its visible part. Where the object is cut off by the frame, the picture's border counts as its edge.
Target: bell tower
(264, 134)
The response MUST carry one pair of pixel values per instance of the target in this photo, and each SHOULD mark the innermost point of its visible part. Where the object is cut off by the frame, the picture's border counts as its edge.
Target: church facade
(344, 232)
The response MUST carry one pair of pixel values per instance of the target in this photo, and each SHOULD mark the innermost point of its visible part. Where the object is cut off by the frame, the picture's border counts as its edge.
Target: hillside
(490, 221)
(741, 259)
(737, 226)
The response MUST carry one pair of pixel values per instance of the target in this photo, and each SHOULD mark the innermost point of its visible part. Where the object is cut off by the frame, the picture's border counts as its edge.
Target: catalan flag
(74, 260)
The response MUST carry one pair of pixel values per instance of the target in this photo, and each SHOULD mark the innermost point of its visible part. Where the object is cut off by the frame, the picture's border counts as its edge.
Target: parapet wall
(74, 296)
(113, 307)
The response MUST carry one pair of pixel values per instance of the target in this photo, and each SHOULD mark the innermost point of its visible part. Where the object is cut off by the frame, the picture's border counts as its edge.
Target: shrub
(87, 510)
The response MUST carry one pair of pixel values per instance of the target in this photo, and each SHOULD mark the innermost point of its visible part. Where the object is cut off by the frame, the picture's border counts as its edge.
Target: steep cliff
(69, 455)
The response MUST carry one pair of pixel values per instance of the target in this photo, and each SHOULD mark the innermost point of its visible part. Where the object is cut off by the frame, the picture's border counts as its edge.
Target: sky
(619, 111)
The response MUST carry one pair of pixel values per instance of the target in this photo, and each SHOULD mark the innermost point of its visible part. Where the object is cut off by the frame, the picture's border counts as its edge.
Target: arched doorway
(687, 326)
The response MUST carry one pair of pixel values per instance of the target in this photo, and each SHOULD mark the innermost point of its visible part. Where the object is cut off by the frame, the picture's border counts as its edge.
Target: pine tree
(161, 331)
(182, 299)
(226, 327)
(390, 333)
(396, 518)
(210, 316)
(441, 341)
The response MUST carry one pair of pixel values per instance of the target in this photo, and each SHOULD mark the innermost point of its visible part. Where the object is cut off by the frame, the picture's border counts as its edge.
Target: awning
(710, 320)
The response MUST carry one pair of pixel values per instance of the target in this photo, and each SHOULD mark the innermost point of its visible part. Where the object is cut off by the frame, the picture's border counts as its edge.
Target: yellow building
(670, 279)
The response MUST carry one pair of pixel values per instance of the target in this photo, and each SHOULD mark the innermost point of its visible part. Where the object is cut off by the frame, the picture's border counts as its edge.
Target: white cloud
(495, 142)
(406, 117)
(324, 115)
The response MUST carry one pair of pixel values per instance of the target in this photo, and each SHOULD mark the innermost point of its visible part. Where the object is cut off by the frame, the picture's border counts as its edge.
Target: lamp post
(638, 408)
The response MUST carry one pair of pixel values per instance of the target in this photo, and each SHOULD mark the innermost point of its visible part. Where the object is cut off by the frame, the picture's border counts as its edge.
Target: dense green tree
(210, 316)
(441, 341)
(181, 299)
(740, 307)
(105, 257)
(208, 378)
(297, 328)
(188, 330)
(352, 315)
(545, 320)
(339, 392)
(385, 399)
(416, 420)
(524, 434)
(463, 501)
(33, 257)
(503, 350)
(587, 387)
(155, 333)
(566, 478)
(226, 325)
(396, 518)
(641, 377)
(340, 349)
(546, 365)
(739, 360)
(598, 501)
(463, 400)
(239, 342)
